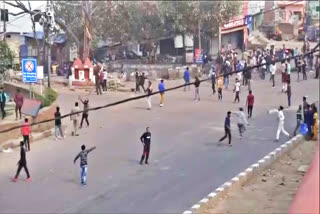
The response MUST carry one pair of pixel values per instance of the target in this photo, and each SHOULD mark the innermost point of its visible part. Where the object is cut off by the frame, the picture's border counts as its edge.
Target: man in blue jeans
(83, 163)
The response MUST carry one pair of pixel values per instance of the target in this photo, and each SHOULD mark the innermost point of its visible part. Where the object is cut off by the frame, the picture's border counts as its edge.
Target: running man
(280, 122)
(83, 155)
(22, 163)
(227, 128)
(146, 141)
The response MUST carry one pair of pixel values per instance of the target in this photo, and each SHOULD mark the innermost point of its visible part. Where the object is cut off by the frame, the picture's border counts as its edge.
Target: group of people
(227, 64)
(101, 79)
(74, 117)
(309, 117)
(140, 80)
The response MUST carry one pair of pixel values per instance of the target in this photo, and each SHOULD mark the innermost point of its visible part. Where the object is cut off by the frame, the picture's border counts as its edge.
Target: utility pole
(48, 49)
(49, 28)
(199, 33)
(4, 20)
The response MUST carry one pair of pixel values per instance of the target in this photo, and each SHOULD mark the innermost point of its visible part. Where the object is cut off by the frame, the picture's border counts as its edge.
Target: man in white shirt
(273, 73)
(288, 70)
(105, 78)
(237, 90)
(263, 68)
(280, 122)
(242, 121)
(74, 117)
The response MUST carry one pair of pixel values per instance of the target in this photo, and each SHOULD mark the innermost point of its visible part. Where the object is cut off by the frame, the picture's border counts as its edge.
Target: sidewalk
(273, 190)
(307, 197)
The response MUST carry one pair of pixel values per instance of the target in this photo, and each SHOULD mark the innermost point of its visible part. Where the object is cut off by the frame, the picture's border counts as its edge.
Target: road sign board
(40, 72)
(29, 70)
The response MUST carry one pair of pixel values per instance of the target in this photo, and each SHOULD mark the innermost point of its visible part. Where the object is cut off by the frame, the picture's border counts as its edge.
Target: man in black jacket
(22, 163)
(146, 141)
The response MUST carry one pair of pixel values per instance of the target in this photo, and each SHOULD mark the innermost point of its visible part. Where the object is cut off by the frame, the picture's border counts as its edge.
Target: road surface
(185, 163)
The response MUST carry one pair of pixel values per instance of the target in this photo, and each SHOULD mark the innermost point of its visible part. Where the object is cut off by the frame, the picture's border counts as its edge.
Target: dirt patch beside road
(273, 190)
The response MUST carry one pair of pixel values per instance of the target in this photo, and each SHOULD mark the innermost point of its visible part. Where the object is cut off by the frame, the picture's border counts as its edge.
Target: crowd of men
(226, 65)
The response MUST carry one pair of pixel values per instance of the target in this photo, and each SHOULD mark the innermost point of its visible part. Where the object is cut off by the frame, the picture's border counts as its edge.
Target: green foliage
(48, 98)
(6, 56)
(124, 21)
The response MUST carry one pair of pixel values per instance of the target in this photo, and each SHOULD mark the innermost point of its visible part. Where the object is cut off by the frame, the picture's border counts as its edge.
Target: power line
(23, 15)
(154, 93)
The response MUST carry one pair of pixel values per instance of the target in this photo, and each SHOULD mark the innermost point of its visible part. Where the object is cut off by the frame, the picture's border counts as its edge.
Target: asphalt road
(185, 164)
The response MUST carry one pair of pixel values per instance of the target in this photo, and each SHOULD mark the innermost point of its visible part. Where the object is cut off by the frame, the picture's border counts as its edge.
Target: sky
(22, 23)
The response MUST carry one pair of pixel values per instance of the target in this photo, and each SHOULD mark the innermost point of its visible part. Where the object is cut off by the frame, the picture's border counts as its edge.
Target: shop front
(234, 35)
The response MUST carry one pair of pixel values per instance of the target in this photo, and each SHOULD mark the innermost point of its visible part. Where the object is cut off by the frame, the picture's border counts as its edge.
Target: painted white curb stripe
(236, 182)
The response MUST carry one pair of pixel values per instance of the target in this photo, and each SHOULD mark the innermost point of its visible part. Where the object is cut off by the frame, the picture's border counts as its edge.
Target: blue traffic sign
(29, 70)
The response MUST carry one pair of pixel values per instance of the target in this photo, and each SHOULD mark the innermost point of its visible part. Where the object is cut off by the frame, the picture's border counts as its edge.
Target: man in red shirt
(250, 101)
(18, 99)
(25, 131)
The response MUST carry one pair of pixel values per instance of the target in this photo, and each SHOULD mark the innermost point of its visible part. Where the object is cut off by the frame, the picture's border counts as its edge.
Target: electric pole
(49, 31)
(4, 20)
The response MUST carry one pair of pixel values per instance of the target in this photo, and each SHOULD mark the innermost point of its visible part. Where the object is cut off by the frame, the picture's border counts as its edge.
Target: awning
(233, 30)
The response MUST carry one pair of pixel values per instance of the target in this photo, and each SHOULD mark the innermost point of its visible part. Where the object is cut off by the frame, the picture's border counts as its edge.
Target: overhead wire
(315, 49)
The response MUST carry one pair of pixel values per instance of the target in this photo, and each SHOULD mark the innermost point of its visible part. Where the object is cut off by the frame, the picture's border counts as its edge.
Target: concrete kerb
(238, 181)
(34, 137)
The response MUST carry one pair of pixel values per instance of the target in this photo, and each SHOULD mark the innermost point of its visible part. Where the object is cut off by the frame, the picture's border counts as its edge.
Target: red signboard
(234, 22)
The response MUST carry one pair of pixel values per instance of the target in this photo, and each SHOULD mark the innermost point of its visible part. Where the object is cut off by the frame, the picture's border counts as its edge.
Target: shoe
(80, 127)
(146, 163)
(77, 134)
(72, 133)
(141, 163)
(276, 141)
(230, 144)
(240, 137)
(28, 179)
(14, 179)
(57, 139)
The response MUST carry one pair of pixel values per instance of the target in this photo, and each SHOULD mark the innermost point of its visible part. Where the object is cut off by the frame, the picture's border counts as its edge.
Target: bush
(49, 97)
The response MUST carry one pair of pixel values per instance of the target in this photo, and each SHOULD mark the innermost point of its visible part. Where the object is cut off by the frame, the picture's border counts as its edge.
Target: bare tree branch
(17, 14)
(21, 6)
(64, 27)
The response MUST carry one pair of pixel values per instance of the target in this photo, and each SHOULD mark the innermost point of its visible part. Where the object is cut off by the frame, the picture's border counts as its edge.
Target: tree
(142, 21)
(6, 56)
(183, 17)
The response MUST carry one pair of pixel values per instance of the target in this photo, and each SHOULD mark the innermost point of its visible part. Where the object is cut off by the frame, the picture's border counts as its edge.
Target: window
(318, 8)
(8, 36)
(298, 13)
